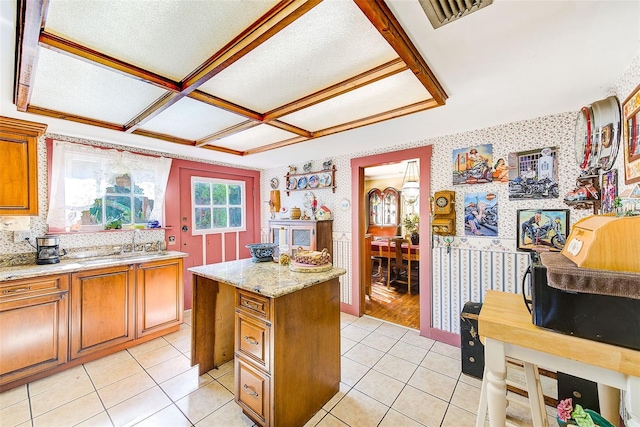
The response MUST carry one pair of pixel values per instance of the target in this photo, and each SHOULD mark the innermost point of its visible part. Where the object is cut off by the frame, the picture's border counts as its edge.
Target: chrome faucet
(136, 232)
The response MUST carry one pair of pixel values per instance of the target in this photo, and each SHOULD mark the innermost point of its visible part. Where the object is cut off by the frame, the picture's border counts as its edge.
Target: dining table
(380, 248)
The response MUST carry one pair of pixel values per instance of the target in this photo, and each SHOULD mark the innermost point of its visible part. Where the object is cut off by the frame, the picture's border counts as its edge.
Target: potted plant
(411, 225)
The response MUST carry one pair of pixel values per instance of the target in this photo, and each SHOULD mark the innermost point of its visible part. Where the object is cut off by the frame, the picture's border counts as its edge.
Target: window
(93, 188)
(218, 205)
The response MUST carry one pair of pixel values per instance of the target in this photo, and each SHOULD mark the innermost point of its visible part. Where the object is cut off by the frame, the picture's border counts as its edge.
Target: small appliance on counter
(48, 250)
(605, 315)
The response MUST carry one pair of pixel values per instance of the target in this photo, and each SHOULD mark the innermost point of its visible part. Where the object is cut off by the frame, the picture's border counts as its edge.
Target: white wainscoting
(342, 258)
(471, 268)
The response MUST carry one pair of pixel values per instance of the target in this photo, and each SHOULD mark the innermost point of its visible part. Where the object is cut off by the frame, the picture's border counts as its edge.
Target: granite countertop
(267, 278)
(77, 264)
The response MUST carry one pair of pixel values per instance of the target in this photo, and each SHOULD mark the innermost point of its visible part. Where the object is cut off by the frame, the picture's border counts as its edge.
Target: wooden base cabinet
(102, 309)
(159, 296)
(33, 320)
(42, 331)
(287, 353)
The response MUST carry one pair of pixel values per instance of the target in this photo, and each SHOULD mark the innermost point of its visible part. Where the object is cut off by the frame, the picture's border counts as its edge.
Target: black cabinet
(472, 348)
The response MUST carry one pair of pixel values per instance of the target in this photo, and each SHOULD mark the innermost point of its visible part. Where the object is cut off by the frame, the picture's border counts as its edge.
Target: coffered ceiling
(239, 77)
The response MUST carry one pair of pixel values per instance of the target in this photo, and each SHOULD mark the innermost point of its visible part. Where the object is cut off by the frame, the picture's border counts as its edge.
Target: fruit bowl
(262, 252)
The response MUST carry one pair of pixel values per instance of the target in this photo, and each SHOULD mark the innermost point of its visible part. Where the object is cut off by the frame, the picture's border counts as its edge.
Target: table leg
(496, 385)
(536, 398)
(632, 401)
(482, 406)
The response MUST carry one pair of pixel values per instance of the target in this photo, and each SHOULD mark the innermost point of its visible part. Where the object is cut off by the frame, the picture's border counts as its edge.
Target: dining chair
(398, 264)
(378, 259)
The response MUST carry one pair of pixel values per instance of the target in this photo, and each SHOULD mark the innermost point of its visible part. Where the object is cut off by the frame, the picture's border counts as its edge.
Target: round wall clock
(274, 183)
(583, 136)
(442, 201)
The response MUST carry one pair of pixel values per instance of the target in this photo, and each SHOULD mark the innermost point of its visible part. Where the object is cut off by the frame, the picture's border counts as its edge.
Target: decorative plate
(291, 185)
(325, 179)
(302, 182)
(274, 183)
(313, 181)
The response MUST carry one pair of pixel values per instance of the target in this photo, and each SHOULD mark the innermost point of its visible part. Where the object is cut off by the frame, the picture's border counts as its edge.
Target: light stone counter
(77, 264)
(267, 278)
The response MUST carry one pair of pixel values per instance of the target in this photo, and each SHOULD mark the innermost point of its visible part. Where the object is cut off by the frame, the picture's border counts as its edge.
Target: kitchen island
(281, 328)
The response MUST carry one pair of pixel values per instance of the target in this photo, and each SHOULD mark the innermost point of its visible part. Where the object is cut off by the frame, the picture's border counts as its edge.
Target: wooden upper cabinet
(19, 166)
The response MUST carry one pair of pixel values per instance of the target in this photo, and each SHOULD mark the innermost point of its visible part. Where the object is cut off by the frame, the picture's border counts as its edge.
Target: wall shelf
(582, 182)
(312, 180)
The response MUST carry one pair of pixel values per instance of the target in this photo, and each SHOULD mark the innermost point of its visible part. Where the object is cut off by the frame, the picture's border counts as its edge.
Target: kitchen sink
(127, 257)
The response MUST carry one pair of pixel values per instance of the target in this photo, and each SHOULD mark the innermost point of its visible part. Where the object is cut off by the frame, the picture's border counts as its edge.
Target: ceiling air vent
(441, 12)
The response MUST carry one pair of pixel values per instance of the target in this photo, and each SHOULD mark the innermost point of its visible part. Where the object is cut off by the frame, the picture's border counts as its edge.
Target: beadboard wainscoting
(466, 272)
(342, 258)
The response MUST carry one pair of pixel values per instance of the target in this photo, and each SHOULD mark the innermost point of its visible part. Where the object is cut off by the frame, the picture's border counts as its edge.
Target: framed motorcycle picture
(533, 174)
(473, 165)
(542, 229)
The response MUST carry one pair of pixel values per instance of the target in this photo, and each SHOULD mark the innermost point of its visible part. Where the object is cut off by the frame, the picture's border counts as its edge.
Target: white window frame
(212, 181)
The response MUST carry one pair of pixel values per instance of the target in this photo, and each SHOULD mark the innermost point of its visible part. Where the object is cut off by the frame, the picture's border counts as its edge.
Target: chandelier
(410, 186)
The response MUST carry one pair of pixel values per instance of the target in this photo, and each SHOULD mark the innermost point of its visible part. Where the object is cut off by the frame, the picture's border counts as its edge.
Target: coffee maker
(48, 250)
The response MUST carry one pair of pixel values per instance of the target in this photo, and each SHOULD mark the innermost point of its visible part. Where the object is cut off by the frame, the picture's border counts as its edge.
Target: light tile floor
(391, 377)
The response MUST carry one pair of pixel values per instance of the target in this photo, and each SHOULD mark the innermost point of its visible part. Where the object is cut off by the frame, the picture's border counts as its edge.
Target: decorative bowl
(262, 252)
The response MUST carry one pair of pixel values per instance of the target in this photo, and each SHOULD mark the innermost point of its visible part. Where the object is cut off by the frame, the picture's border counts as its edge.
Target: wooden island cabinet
(282, 328)
(49, 322)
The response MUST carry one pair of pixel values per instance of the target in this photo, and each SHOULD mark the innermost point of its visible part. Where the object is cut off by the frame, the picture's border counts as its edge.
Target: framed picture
(473, 165)
(481, 214)
(631, 137)
(542, 229)
(533, 174)
(608, 190)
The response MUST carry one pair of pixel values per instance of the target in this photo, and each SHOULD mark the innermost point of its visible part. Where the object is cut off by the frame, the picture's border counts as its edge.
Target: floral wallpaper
(472, 265)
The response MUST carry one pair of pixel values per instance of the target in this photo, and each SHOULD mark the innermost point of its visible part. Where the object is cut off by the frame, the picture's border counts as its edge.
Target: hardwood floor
(394, 304)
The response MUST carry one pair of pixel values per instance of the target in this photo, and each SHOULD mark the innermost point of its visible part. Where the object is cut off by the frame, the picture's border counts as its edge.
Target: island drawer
(252, 340)
(254, 304)
(252, 391)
